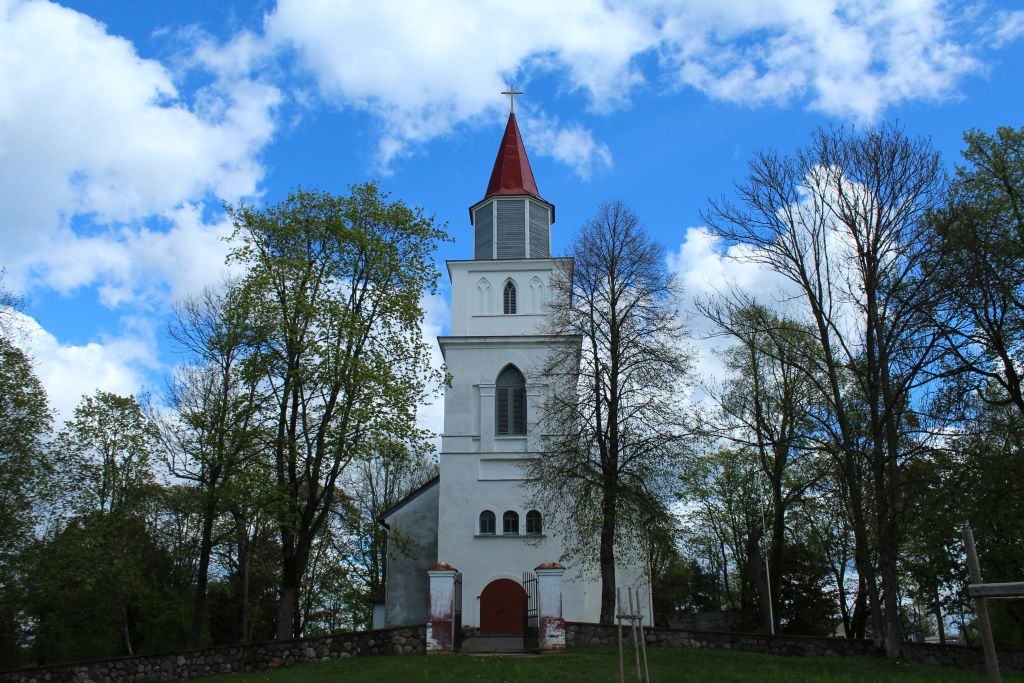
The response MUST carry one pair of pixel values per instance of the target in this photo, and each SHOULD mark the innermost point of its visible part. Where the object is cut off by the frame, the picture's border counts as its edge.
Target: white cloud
(69, 371)
(92, 134)
(140, 265)
(423, 68)
(848, 58)
(572, 145)
(1008, 27)
(707, 268)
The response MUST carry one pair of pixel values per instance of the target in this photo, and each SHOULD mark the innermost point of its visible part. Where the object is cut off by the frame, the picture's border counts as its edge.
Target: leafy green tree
(769, 405)
(104, 454)
(25, 471)
(102, 586)
(333, 288)
(978, 266)
(982, 485)
(722, 494)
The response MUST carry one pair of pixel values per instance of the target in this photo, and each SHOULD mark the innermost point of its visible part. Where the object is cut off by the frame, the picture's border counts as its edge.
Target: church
(473, 523)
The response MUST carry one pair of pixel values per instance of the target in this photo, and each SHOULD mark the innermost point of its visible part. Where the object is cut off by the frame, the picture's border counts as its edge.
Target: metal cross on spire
(512, 92)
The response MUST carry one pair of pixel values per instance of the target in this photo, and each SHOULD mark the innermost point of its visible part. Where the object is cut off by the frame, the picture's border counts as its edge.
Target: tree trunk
(860, 612)
(777, 550)
(844, 609)
(862, 554)
(125, 629)
(758, 579)
(288, 594)
(937, 611)
(202, 577)
(243, 589)
(607, 555)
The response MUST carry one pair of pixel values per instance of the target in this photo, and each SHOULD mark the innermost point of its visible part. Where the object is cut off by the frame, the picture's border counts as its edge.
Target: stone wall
(803, 646)
(221, 660)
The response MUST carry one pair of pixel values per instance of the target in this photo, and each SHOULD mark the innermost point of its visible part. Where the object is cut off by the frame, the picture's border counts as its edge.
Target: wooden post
(636, 646)
(643, 638)
(618, 617)
(981, 609)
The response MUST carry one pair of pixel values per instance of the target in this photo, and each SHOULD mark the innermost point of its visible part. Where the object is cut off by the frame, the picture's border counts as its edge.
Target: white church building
(472, 528)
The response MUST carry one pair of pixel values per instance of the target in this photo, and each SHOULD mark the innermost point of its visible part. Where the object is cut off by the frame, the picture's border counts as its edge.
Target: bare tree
(213, 431)
(842, 220)
(613, 422)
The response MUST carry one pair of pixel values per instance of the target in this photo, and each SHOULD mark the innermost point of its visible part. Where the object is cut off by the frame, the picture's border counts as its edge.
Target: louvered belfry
(512, 221)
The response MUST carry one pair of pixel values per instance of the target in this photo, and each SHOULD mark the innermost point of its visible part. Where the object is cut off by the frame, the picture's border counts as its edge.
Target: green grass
(601, 664)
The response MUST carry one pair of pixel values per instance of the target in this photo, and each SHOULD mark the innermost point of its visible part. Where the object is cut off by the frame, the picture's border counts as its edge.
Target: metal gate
(530, 624)
(457, 613)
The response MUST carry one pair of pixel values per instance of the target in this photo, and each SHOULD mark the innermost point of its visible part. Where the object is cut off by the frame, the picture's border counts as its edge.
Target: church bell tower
(512, 221)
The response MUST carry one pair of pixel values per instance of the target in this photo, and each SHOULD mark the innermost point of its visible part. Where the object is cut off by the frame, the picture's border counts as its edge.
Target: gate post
(550, 624)
(441, 624)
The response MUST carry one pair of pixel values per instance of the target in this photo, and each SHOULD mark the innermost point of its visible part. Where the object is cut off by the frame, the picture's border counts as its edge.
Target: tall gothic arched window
(509, 298)
(510, 402)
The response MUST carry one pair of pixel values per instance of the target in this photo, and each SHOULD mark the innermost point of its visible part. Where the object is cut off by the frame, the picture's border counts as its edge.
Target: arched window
(510, 402)
(510, 522)
(486, 522)
(533, 522)
(509, 297)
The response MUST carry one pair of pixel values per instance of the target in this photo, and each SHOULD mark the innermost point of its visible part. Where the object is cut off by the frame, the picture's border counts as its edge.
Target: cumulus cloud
(847, 58)
(139, 265)
(572, 145)
(423, 68)
(92, 135)
(706, 267)
(69, 371)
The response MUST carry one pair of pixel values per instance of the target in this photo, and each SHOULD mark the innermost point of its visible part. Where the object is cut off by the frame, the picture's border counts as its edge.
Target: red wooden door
(502, 608)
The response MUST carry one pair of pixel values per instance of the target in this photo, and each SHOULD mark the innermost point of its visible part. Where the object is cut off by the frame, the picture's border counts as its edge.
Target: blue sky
(125, 126)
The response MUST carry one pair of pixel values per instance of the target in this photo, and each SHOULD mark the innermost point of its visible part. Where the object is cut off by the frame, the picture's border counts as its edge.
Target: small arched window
(486, 522)
(510, 523)
(533, 522)
(510, 402)
(509, 298)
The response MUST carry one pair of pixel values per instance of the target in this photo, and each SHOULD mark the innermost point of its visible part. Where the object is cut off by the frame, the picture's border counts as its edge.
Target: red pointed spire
(512, 173)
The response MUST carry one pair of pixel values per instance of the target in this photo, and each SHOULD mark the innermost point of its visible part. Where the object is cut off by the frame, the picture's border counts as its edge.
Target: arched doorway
(502, 608)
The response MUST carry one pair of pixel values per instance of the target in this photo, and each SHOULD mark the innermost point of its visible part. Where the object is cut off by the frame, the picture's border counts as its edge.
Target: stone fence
(802, 646)
(228, 659)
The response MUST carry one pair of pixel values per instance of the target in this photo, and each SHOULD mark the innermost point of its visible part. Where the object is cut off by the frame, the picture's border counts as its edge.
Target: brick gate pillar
(550, 624)
(441, 623)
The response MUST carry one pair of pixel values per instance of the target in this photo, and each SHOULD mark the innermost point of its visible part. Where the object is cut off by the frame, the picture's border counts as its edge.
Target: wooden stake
(632, 621)
(643, 638)
(618, 617)
(981, 609)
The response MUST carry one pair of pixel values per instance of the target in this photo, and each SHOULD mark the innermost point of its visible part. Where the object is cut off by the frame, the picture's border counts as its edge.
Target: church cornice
(516, 264)
(518, 340)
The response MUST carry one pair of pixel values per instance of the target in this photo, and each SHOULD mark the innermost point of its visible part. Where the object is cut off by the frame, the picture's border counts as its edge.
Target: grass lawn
(601, 664)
